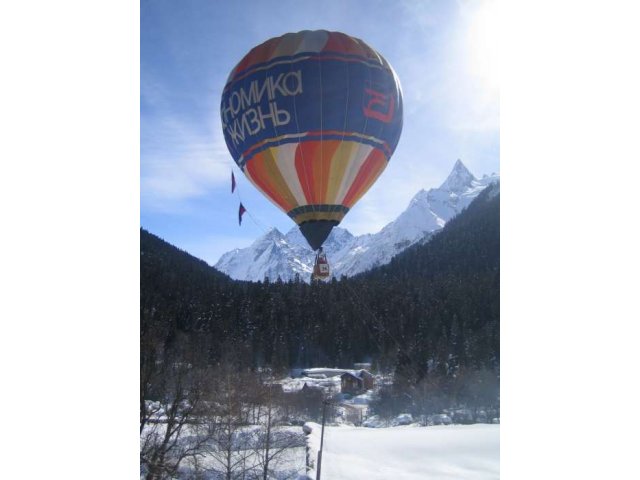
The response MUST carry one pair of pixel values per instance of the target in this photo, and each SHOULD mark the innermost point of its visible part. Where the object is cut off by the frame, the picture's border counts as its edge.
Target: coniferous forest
(431, 316)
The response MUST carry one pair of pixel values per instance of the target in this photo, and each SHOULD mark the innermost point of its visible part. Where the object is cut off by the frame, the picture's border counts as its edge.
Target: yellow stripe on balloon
(310, 216)
(358, 158)
(280, 184)
(341, 158)
(327, 150)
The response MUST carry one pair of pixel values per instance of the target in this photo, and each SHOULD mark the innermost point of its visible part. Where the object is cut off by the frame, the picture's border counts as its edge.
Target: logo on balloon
(380, 106)
(250, 110)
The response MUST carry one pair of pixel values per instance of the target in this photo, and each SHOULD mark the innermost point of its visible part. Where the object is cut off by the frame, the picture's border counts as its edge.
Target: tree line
(436, 303)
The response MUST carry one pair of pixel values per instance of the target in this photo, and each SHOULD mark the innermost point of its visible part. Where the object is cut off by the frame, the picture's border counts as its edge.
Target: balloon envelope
(312, 119)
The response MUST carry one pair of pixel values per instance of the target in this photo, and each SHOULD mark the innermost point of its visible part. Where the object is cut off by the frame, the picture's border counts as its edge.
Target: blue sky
(444, 52)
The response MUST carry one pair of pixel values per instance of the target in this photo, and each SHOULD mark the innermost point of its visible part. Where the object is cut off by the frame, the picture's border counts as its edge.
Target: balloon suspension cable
(258, 223)
(265, 229)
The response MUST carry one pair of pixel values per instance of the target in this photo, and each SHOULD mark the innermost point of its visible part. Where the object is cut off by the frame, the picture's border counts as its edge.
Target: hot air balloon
(312, 119)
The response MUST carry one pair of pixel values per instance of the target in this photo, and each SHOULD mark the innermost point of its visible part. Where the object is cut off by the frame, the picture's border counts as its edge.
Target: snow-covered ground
(390, 449)
(289, 465)
(288, 453)
(470, 452)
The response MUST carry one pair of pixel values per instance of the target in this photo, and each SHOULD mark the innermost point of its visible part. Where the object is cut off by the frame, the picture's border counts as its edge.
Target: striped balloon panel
(316, 174)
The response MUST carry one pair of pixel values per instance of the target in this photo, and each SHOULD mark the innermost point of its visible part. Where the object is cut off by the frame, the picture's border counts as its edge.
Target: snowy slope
(276, 255)
(285, 256)
(470, 452)
(269, 256)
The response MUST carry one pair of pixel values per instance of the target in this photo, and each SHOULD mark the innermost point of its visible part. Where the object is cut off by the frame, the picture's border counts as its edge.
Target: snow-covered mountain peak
(294, 237)
(272, 236)
(336, 239)
(419, 198)
(289, 256)
(459, 179)
(339, 237)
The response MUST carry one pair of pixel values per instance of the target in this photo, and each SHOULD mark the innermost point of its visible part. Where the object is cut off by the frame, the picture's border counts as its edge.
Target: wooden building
(357, 382)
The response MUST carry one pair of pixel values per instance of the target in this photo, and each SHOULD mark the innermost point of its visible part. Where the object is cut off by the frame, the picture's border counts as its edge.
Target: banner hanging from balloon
(241, 211)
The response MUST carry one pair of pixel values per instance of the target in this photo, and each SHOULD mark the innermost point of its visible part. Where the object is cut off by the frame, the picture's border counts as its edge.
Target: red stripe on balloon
(371, 168)
(259, 54)
(339, 42)
(305, 154)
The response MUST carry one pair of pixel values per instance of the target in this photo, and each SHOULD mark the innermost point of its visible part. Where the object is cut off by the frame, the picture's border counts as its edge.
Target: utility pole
(324, 414)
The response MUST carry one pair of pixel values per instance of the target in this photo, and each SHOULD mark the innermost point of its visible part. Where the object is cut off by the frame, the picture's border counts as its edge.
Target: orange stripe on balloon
(317, 164)
(245, 62)
(305, 154)
(369, 172)
(322, 169)
(261, 172)
(269, 48)
(344, 154)
(339, 42)
(259, 54)
(334, 44)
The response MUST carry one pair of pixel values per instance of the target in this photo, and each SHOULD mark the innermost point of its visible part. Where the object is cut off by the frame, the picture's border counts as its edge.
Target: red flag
(240, 213)
(233, 182)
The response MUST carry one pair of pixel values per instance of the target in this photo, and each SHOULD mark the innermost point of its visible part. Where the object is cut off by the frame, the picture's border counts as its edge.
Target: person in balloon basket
(321, 268)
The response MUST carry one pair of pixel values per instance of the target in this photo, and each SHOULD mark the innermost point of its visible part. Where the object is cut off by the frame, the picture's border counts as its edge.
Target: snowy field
(392, 449)
(470, 452)
(445, 452)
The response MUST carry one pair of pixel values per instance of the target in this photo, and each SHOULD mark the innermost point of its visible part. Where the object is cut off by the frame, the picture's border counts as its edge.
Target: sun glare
(485, 43)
